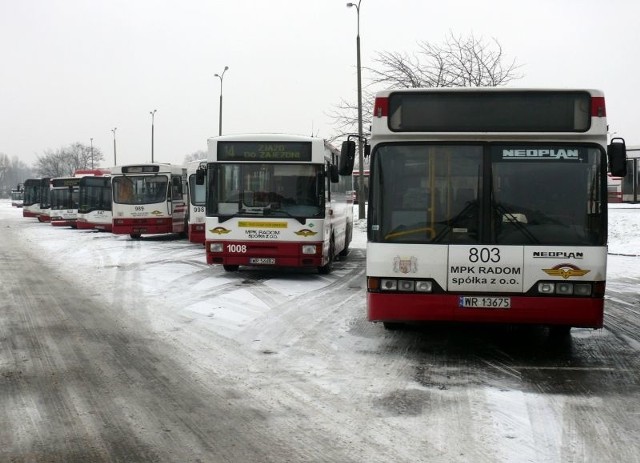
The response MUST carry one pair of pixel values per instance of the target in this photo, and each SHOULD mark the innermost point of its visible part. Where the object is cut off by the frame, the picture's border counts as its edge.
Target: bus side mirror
(617, 154)
(334, 176)
(347, 157)
(200, 174)
(367, 150)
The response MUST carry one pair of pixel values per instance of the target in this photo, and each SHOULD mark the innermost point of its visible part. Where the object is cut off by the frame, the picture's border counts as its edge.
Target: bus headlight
(546, 288)
(308, 249)
(424, 286)
(564, 289)
(406, 285)
(216, 247)
(389, 285)
(582, 289)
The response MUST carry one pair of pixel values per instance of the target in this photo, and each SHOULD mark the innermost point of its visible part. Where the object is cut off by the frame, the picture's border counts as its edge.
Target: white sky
(72, 70)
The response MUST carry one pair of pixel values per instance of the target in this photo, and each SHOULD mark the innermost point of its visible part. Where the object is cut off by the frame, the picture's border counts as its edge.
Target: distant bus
(149, 199)
(489, 205)
(197, 198)
(44, 214)
(276, 201)
(356, 184)
(614, 189)
(65, 193)
(94, 205)
(31, 198)
(17, 196)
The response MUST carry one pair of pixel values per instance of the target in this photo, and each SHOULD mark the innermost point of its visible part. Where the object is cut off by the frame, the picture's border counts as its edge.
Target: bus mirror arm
(617, 154)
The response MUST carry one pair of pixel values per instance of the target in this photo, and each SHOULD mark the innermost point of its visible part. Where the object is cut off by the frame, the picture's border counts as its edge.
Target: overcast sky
(72, 70)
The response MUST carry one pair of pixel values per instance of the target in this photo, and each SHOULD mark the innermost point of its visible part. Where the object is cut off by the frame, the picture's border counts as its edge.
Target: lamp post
(91, 139)
(221, 76)
(114, 145)
(153, 115)
(360, 137)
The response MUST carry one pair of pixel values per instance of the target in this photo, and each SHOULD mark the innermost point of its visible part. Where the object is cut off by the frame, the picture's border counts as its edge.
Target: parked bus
(614, 189)
(197, 198)
(489, 205)
(94, 204)
(65, 193)
(44, 213)
(149, 199)
(17, 196)
(276, 201)
(356, 184)
(31, 198)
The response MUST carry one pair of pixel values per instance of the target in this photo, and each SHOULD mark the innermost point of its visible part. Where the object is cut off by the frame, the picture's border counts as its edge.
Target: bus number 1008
(241, 248)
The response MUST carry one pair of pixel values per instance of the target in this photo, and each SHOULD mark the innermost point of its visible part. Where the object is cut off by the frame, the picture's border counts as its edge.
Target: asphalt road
(124, 375)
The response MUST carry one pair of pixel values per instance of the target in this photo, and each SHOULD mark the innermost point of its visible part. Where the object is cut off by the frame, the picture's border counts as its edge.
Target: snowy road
(121, 350)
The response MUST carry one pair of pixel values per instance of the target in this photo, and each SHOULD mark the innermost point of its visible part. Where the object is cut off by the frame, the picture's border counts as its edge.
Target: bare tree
(195, 156)
(66, 160)
(457, 62)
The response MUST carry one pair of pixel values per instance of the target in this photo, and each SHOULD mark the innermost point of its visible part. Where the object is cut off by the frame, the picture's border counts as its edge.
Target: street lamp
(153, 115)
(360, 137)
(114, 145)
(221, 76)
(91, 139)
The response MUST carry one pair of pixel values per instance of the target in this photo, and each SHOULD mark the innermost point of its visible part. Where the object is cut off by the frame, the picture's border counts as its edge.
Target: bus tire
(326, 268)
(135, 236)
(559, 331)
(230, 268)
(392, 326)
(345, 250)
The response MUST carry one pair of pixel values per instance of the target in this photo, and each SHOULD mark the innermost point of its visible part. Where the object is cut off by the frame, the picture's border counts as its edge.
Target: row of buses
(258, 200)
(484, 205)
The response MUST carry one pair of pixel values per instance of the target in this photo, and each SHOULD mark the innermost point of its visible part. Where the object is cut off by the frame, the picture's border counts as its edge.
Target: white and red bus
(276, 201)
(149, 199)
(489, 205)
(94, 208)
(65, 192)
(197, 198)
(31, 198)
(44, 209)
(17, 196)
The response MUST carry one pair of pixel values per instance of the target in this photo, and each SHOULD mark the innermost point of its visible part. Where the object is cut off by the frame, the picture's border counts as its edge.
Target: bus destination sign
(264, 151)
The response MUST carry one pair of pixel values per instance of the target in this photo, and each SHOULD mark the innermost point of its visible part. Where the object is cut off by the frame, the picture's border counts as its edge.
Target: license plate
(262, 260)
(479, 302)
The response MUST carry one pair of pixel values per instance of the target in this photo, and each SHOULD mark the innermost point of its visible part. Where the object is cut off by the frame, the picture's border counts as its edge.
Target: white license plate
(479, 302)
(262, 260)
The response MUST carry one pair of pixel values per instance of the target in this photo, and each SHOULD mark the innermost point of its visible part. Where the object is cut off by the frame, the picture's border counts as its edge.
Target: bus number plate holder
(480, 302)
(262, 260)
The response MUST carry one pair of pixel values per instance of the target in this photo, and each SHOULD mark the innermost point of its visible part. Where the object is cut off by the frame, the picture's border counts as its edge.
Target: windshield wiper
(513, 220)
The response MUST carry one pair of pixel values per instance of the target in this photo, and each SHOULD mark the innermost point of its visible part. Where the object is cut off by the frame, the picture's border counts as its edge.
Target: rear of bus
(488, 205)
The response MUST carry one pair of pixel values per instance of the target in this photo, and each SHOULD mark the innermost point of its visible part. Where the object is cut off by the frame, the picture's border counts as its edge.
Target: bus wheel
(559, 331)
(326, 269)
(392, 326)
(347, 240)
(231, 268)
(135, 236)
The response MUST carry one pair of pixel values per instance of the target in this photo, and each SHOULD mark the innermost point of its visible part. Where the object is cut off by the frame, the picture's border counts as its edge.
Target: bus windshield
(140, 189)
(488, 194)
(64, 198)
(293, 190)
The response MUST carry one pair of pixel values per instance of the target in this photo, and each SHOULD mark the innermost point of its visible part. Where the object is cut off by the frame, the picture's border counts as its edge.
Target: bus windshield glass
(294, 190)
(95, 194)
(488, 193)
(140, 189)
(64, 198)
